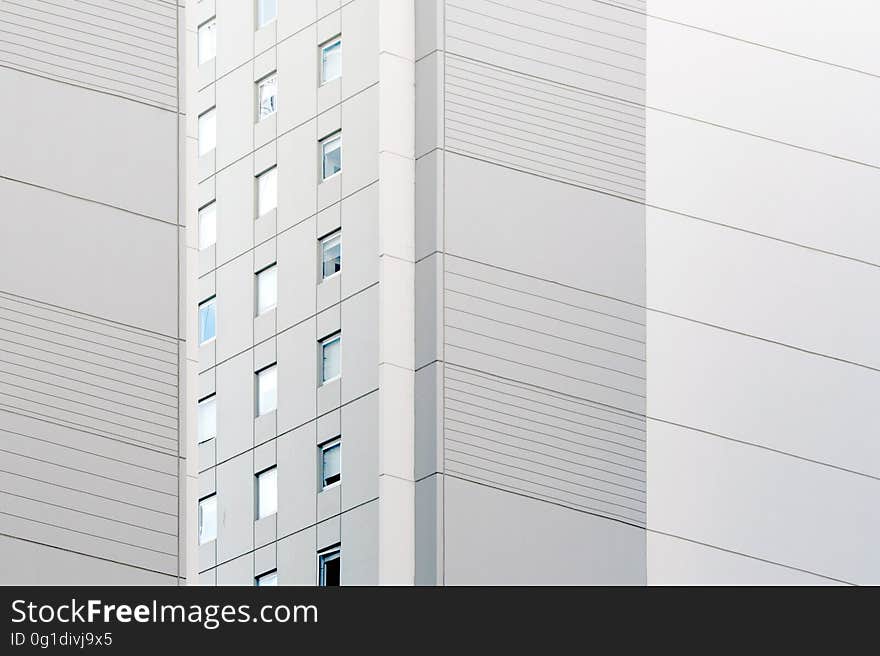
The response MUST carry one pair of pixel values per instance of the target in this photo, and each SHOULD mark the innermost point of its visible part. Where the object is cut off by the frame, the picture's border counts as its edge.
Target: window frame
(212, 206)
(257, 378)
(213, 112)
(325, 556)
(322, 345)
(322, 247)
(259, 310)
(322, 154)
(212, 497)
(210, 301)
(259, 19)
(273, 573)
(258, 494)
(271, 171)
(210, 398)
(322, 449)
(273, 76)
(212, 20)
(322, 49)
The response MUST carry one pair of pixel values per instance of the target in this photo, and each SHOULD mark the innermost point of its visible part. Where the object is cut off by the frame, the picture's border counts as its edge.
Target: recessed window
(267, 390)
(267, 11)
(331, 463)
(331, 356)
(208, 519)
(208, 320)
(331, 255)
(331, 60)
(267, 289)
(207, 40)
(267, 492)
(267, 579)
(267, 96)
(331, 155)
(328, 567)
(207, 131)
(207, 418)
(208, 226)
(267, 191)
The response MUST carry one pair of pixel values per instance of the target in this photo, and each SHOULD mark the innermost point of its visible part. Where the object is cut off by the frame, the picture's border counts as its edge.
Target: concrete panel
(235, 508)
(235, 406)
(297, 484)
(360, 451)
(360, 344)
(235, 306)
(359, 535)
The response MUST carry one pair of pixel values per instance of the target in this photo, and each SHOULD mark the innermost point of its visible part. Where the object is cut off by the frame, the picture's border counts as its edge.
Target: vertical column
(396, 292)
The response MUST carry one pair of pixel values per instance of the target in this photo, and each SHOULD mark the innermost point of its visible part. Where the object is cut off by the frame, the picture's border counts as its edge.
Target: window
(207, 226)
(267, 191)
(267, 289)
(208, 320)
(331, 255)
(331, 463)
(267, 390)
(208, 519)
(207, 40)
(267, 579)
(207, 131)
(267, 492)
(207, 418)
(330, 358)
(331, 155)
(267, 11)
(328, 568)
(331, 60)
(267, 96)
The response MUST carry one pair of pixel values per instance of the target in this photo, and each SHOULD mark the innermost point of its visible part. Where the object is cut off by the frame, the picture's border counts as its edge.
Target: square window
(267, 390)
(267, 289)
(207, 40)
(331, 463)
(328, 568)
(207, 131)
(331, 60)
(331, 156)
(267, 579)
(331, 358)
(267, 191)
(267, 492)
(207, 226)
(208, 519)
(267, 11)
(208, 320)
(207, 418)
(331, 255)
(267, 96)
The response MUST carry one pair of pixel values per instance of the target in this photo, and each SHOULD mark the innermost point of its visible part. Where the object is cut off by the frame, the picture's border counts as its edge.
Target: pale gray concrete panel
(429, 310)
(297, 375)
(360, 140)
(763, 504)
(763, 287)
(609, 232)
(492, 537)
(359, 536)
(297, 73)
(235, 306)
(142, 259)
(235, 508)
(298, 157)
(360, 240)
(673, 561)
(429, 204)
(820, 107)
(763, 393)
(235, 43)
(429, 103)
(807, 198)
(297, 561)
(297, 271)
(30, 563)
(237, 572)
(429, 26)
(360, 344)
(235, 210)
(360, 44)
(98, 132)
(429, 405)
(297, 480)
(847, 37)
(235, 406)
(360, 451)
(236, 114)
(429, 531)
